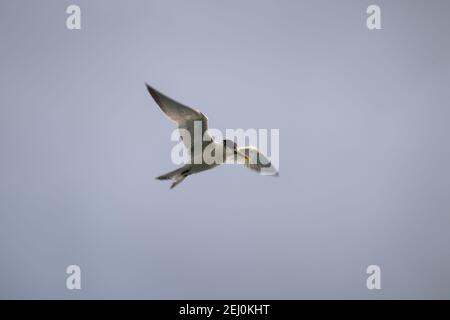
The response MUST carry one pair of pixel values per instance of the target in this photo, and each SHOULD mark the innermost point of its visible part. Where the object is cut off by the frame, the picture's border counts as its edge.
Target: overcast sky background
(364, 149)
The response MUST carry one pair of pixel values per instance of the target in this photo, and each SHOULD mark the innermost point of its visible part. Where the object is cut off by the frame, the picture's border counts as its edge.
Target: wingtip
(153, 93)
(149, 88)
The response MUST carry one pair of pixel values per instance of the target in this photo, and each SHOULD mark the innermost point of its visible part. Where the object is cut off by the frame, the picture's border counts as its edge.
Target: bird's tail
(177, 175)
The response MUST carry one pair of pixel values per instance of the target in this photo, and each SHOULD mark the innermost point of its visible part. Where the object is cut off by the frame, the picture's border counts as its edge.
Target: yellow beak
(246, 157)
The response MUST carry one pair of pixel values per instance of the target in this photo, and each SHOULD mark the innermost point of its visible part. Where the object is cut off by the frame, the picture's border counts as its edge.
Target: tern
(187, 118)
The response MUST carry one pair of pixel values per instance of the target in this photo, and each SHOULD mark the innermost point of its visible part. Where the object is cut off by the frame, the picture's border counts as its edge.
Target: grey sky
(364, 175)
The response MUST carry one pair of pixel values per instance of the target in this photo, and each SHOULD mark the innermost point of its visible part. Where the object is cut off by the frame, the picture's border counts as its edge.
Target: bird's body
(193, 126)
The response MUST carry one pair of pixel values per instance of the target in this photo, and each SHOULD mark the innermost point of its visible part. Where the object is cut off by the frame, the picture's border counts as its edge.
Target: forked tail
(177, 175)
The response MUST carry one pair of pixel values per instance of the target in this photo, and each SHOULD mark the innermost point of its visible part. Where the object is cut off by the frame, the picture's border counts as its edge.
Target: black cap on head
(229, 144)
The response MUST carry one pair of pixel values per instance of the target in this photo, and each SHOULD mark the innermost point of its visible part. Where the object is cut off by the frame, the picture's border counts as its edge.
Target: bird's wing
(258, 161)
(185, 117)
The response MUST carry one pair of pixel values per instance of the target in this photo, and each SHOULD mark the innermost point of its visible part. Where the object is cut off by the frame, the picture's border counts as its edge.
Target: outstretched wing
(258, 161)
(185, 117)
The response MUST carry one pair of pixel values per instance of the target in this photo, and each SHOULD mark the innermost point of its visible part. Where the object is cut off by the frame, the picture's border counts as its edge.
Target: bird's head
(231, 150)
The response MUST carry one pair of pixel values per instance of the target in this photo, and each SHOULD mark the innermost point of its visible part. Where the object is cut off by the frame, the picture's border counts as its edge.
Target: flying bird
(187, 118)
